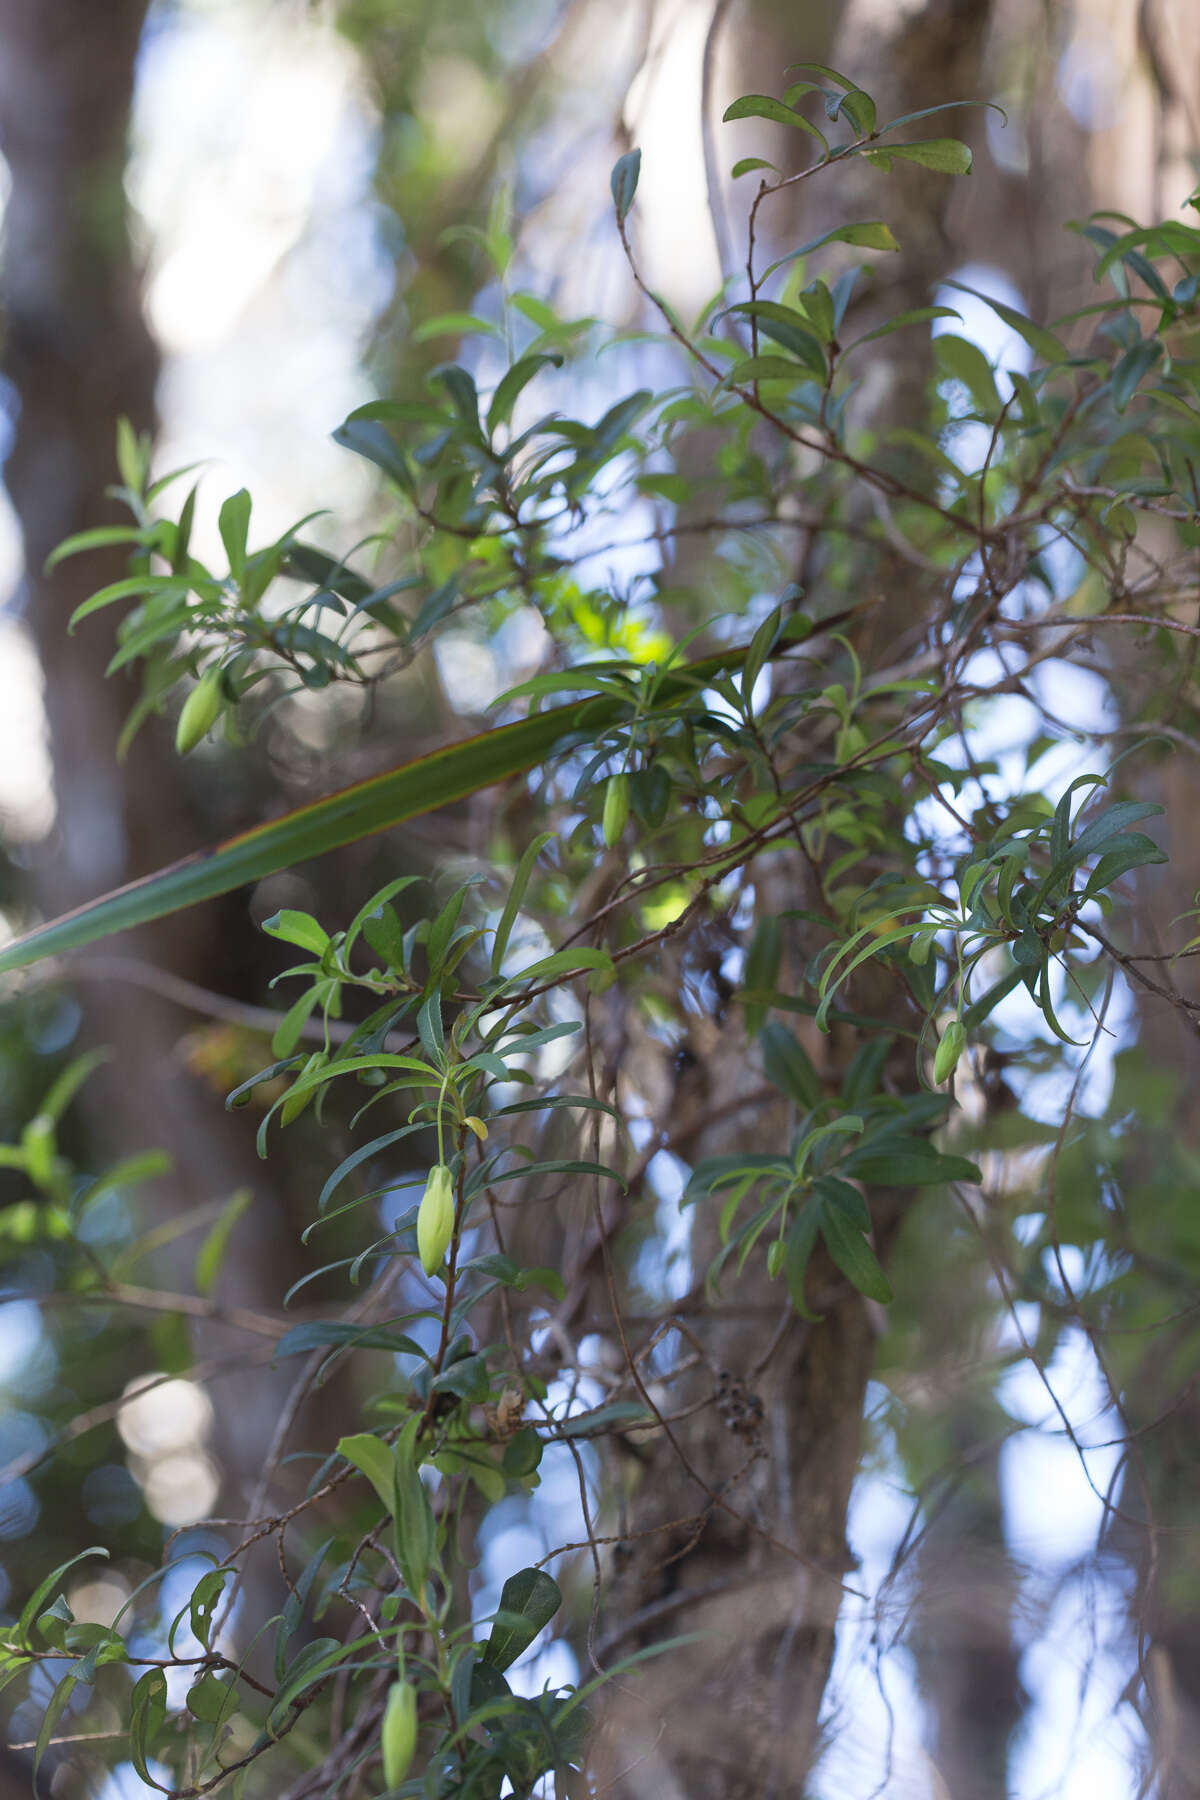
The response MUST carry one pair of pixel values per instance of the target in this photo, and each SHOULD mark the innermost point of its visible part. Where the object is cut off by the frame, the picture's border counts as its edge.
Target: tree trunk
(79, 356)
(738, 1714)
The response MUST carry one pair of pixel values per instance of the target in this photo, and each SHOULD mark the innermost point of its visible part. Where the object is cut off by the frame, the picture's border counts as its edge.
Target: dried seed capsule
(435, 1218)
(616, 809)
(953, 1043)
(200, 711)
(398, 1733)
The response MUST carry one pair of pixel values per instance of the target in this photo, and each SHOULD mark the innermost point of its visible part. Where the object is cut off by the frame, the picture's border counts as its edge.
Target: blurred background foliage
(230, 220)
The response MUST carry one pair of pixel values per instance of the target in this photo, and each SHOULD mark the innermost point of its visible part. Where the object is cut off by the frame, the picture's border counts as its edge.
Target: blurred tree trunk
(79, 356)
(772, 1463)
(1145, 164)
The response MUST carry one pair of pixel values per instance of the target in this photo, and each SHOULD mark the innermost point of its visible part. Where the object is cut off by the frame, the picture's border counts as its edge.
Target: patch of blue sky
(124, 1782)
(1081, 1739)
(28, 1360)
(663, 1265)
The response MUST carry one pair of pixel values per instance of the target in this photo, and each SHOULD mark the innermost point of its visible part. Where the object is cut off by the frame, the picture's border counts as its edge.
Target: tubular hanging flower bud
(616, 809)
(200, 711)
(953, 1043)
(435, 1218)
(398, 1733)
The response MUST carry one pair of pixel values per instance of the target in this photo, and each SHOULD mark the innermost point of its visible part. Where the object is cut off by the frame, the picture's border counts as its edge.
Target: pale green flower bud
(435, 1218)
(398, 1733)
(954, 1040)
(616, 809)
(200, 711)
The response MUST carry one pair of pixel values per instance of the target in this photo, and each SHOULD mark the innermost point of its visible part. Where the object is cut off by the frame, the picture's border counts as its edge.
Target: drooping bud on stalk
(435, 1218)
(953, 1043)
(398, 1733)
(616, 809)
(200, 711)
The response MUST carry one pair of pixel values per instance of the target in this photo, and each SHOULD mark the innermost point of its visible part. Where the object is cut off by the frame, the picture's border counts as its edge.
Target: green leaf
(369, 1455)
(870, 234)
(1043, 343)
(853, 1255)
(858, 107)
(160, 586)
(211, 1253)
(919, 315)
(143, 1166)
(761, 972)
(762, 106)
(55, 1707)
(801, 1237)
(290, 1029)
(33, 1606)
(624, 181)
(966, 362)
(147, 1712)
(1131, 370)
(908, 1168)
(233, 522)
(522, 1454)
(410, 791)
(511, 385)
(202, 1607)
(298, 928)
(769, 368)
(460, 386)
(591, 1424)
(212, 1700)
(788, 1066)
(368, 438)
(749, 163)
(100, 537)
(416, 1527)
(312, 1664)
(516, 894)
(454, 324)
(784, 325)
(826, 74)
(1136, 851)
(528, 1602)
(945, 155)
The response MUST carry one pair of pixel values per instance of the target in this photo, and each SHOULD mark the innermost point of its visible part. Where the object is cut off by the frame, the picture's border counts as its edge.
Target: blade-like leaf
(407, 792)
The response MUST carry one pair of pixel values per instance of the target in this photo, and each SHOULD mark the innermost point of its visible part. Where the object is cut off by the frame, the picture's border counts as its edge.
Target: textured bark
(1145, 164)
(738, 1714)
(736, 1520)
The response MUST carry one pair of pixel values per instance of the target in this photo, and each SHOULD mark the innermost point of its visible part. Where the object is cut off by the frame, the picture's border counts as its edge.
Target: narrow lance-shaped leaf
(407, 792)
(624, 181)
